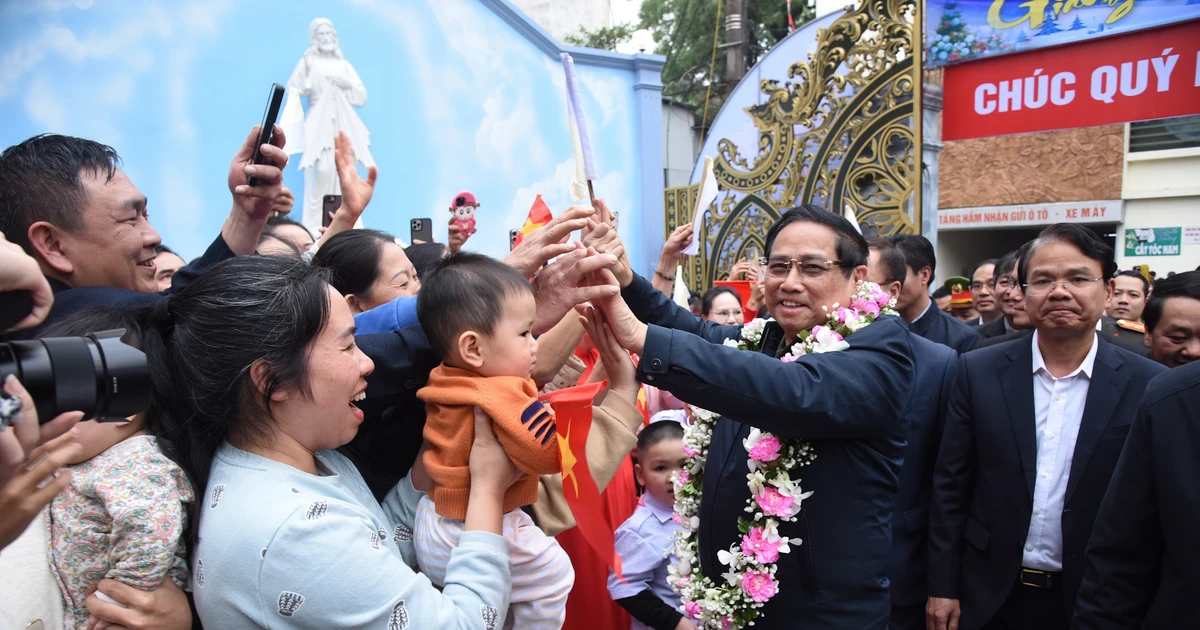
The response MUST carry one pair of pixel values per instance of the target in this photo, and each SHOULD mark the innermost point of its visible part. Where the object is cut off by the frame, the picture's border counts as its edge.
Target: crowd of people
(348, 432)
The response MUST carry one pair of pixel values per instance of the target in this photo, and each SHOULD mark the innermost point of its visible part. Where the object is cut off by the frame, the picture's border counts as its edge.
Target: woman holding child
(262, 379)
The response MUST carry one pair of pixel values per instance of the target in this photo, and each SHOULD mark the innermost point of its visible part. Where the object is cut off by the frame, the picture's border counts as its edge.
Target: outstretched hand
(356, 193)
(625, 326)
(563, 285)
(618, 366)
(548, 242)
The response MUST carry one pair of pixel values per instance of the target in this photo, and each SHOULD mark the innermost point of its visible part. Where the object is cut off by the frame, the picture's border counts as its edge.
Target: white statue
(333, 90)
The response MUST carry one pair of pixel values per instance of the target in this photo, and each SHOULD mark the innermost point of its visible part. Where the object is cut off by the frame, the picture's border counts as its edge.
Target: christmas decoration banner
(1139, 76)
(962, 30)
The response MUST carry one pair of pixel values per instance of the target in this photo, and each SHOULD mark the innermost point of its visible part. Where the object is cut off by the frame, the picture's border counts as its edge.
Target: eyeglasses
(1006, 282)
(1045, 285)
(724, 314)
(809, 268)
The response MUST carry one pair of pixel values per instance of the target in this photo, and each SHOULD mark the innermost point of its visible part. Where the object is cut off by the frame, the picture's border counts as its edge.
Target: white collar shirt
(1058, 405)
(927, 307)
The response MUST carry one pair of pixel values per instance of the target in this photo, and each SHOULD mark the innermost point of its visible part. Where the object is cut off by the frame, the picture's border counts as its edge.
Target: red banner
(1141, 76)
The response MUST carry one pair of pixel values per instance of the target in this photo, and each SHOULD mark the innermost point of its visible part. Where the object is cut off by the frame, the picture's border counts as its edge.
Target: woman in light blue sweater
(260, 386)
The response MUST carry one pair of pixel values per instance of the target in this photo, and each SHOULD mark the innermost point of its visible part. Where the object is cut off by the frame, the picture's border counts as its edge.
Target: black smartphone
(421, 230)
(331, 205)
(512, 239)
(267, 130)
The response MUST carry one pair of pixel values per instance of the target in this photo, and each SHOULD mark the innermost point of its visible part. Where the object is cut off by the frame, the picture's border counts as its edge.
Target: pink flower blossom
(882, 298)
(726, 624)
(692, 609)
(678, 518)
(773, 503)
(766, 450)
(759, 586)
(844, 314)
(763, 550)
(789, 358)
(684, 477)
(689, 451)
(683, 581)
(865, 306)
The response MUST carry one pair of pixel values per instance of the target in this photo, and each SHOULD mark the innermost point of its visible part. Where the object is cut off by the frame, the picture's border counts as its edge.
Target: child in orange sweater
(478, 313)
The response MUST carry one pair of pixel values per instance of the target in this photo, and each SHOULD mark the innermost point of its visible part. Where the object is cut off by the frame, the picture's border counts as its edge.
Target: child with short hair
(644, 541)
(478, 314)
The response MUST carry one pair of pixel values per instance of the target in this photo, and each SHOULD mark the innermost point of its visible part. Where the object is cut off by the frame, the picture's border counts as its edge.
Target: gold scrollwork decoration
(842, 130)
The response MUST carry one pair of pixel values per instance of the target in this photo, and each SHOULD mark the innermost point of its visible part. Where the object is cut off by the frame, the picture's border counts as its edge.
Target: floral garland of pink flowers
(734, 601)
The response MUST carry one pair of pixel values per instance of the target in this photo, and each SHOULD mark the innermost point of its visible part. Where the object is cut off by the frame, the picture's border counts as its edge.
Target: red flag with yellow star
(539, 215)
(573, 418)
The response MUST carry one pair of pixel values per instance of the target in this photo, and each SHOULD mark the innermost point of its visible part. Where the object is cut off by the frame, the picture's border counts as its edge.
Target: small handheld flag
(852, 218)
(539, 215)
(704, 198)
(581, 141)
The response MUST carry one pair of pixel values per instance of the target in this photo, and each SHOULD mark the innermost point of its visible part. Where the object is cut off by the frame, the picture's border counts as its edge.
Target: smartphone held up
(267, 130)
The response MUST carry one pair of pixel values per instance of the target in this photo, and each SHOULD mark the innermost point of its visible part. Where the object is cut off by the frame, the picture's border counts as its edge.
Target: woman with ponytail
(256, 378)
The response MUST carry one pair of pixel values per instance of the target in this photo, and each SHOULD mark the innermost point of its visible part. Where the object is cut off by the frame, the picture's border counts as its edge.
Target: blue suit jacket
(941, 327)
(936, 367)
(984, 478)
(849, 404)
(1143, 560)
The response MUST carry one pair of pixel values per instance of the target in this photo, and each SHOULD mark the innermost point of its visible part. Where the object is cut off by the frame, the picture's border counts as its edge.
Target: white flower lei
(775, 497)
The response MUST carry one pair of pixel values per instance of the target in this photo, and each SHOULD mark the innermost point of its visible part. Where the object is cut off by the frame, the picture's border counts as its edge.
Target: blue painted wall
(461, 94)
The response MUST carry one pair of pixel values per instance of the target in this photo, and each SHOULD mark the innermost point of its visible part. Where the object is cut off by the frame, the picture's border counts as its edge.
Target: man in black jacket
(1143, 560)
(1003, 279)
(1033, 433)
(926, 416)
(68, 204)
(915, 305)
(850, 405)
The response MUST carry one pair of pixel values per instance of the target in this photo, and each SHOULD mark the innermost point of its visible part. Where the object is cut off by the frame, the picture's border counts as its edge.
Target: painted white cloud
(508, 139)
(125, 43)
(43, 105)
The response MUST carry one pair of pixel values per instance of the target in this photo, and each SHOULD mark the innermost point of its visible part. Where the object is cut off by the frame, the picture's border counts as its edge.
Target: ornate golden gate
(844, 133)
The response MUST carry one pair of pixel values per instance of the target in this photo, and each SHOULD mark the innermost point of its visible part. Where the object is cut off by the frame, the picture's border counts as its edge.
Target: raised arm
(857, 393)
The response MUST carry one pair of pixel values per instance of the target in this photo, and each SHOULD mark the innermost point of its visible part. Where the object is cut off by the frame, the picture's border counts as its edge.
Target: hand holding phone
(421, 230)
(331, 205)
(274, 102)
(512, 239)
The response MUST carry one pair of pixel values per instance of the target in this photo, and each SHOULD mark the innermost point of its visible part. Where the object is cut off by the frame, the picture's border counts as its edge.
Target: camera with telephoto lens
(97, 374)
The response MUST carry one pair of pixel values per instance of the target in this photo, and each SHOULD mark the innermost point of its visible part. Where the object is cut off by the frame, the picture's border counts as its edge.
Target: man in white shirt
(1033, 433)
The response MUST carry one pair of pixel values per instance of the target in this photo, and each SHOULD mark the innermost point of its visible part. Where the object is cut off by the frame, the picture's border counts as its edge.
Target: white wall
(561, 18)
(681, 144)
(1162, 213)
(1162, 190)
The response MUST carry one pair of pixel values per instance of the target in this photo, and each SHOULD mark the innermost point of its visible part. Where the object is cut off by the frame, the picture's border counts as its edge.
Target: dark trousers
(1031, 608)
(911, 617)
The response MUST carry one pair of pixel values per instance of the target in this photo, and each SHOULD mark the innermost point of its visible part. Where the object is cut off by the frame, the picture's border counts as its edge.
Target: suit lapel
(1016, 380)
(1104, 393)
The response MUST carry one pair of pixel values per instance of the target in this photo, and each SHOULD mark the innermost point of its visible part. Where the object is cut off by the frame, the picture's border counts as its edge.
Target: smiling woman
(257, 382)
(368, 268)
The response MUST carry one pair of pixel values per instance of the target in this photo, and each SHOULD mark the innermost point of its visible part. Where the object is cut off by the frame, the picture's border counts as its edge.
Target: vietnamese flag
(573, 420)
(539, 215)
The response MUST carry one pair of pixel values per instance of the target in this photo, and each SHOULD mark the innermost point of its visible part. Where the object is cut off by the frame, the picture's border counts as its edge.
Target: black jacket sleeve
(650, 610)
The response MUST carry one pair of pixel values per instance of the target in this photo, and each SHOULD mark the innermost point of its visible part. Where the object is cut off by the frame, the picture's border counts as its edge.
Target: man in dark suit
(1173, 320)
(915, 305)
(983, 293)
(1004, 276)
(1143, 560)
(934, 380)
(850, 405)
(1034, 430)
(68, 204)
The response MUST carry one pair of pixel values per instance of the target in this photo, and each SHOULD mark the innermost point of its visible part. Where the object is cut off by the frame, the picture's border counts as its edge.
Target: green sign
(1153, 241)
